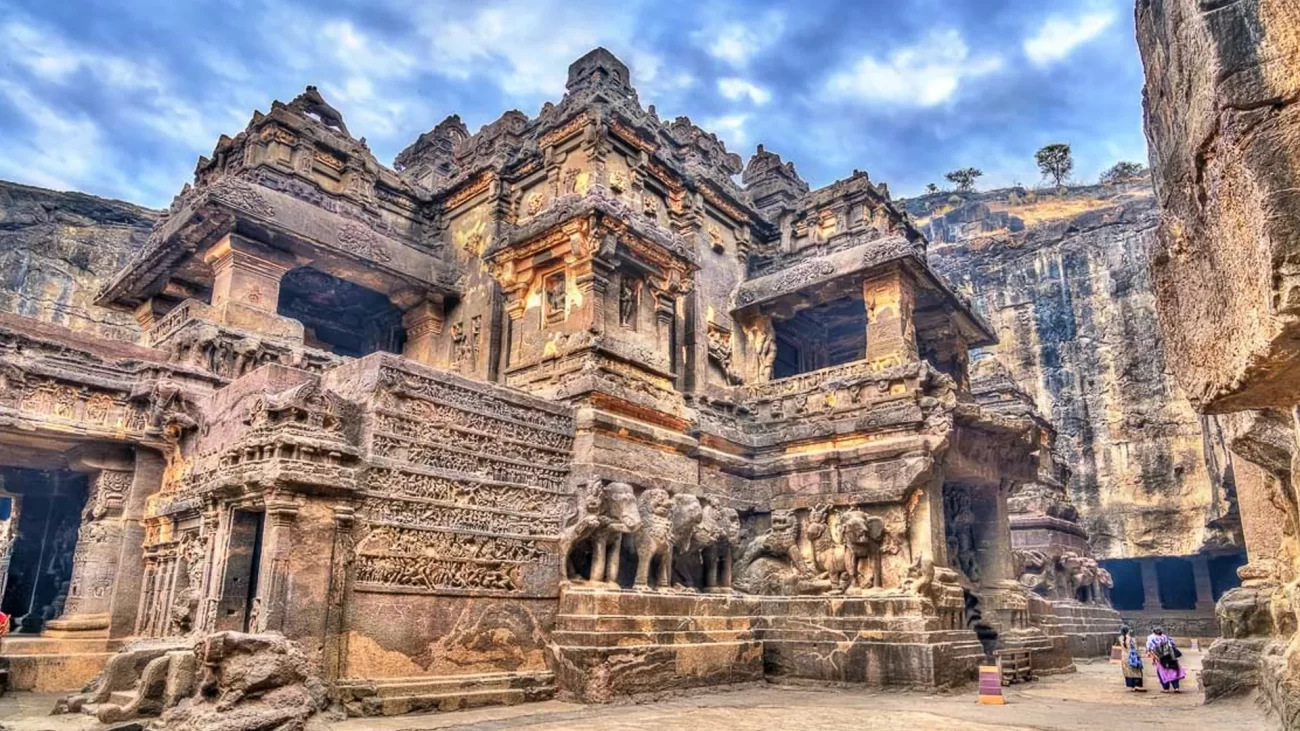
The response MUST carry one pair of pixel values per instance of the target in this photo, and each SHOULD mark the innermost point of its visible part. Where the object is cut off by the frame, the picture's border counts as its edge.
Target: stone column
(281, 515)
(1150, 586)
(890, 300)
(246, 287)
(87, 610)
(146, 480)
(424, 323)
(1204, 589)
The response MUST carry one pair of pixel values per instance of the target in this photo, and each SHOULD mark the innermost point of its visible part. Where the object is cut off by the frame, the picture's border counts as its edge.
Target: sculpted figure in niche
(555, 296)
(961, 532)
(603, 514)
(773, 563)
(654, 539)
(765, 348)
(628, 289)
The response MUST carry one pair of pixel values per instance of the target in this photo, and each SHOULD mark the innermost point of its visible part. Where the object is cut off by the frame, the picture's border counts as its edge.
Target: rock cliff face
(57, 249)
(1223, 123)
(1064, 281)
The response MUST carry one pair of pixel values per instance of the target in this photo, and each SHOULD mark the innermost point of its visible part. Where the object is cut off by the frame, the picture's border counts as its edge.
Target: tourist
(1165, 656)
(1131, 662)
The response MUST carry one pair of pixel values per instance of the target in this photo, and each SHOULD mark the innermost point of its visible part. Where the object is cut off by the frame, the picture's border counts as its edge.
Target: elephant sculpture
(863, 536)
(717, 537)
(860, 536)
(1081, 573)
(654, 539)
(605, 512)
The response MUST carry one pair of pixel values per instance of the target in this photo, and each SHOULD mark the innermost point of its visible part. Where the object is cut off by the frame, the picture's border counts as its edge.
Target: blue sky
(119, 98)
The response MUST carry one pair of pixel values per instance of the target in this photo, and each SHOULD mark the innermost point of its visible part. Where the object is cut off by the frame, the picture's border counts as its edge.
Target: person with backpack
(1130, 662)
(1165, 654)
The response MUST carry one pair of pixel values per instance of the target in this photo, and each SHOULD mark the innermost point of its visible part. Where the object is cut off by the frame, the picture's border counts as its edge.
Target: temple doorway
(238, 608)
(40, 515)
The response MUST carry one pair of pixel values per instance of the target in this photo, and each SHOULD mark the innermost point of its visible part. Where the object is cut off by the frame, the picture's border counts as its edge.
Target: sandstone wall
(57, 249)
(1064, 282)
(1222, 81)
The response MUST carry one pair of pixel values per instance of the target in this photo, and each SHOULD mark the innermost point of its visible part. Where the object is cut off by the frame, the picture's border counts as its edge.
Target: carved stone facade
(553, 407)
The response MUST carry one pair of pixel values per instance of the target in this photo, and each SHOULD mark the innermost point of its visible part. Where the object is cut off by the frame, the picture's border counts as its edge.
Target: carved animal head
(620, 505)
(687, 514)
(785, 522)
(709, 529)
(859, 529)
(655, 501)
(820, 514)
(731, 526)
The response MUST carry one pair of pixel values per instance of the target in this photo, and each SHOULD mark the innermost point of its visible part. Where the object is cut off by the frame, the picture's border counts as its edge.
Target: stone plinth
(613, 643)
(616, 643)
(1091, 629)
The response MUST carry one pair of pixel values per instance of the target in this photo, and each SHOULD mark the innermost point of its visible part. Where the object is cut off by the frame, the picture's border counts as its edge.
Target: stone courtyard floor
(1092, 699)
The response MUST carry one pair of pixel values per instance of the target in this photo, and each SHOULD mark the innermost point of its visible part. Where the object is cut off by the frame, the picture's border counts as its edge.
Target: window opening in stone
(1128, 593)
(340, 316)
(40, 540)
(1177, 583)
(826, 335)
(1223, 573)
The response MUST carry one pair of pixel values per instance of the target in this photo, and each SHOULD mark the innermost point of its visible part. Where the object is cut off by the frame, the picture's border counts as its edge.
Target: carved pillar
(146, 480)
(1150, 585)
(1204, 589)
(246, 287)
(342, 561)
(281, 515)
(99, 543)
(890, 300)
(423, 323)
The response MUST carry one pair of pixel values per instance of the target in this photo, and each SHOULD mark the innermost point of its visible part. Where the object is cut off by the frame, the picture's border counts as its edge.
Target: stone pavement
(1091, 699)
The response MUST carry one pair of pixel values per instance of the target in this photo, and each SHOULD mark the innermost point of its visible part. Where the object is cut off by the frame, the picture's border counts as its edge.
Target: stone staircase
(425, 694)
(48, 664)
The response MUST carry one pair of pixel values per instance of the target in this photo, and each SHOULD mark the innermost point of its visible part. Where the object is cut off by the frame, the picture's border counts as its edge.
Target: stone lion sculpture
(654, 539)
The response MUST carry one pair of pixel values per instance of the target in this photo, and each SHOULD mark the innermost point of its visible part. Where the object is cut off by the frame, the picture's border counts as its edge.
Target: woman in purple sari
(1164, 654)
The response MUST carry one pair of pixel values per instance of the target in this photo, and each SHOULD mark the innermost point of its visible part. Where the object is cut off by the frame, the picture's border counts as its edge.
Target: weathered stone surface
(1223, 80)
(1063, 279)
(58, 249)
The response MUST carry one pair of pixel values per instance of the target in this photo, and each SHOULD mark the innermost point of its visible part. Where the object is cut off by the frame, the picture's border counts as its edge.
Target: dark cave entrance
(829, 334)
(41, 511)
(1177, 582)
(340, 316)
(1128, 594)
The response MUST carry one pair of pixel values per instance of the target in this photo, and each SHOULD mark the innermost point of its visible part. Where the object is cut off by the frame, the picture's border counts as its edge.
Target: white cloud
(737, 89)
(735, 43)
(730, 128)
(53, 59)
(925, 74)
(1058, 36)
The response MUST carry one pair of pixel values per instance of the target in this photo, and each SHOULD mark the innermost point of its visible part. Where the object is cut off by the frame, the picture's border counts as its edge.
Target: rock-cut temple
(556, 408)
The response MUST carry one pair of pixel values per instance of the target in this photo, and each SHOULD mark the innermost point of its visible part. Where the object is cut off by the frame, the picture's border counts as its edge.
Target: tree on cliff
(1124, 171)
(1055, 161)
(931, 188)
(964, 179)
